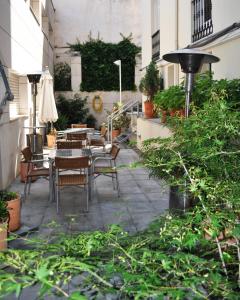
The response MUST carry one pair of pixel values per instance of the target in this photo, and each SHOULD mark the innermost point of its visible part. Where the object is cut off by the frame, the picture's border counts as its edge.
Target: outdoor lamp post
(119, 63)
(34, 79)
(191, 61)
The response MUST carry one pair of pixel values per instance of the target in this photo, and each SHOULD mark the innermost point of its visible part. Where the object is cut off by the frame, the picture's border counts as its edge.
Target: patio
(141, 201)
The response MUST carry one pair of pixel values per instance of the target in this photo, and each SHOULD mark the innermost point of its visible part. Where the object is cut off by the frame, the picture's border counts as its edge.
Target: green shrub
(73, 111)
(62, 77)
(99, 73)
(171, 98)
(7, 196)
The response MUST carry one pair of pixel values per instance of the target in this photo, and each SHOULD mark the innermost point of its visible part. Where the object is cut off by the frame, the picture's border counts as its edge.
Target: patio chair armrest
(38, 160)
(102, 158)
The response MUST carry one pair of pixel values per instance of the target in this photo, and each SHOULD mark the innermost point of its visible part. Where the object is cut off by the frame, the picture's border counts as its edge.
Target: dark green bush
(62, 77)
(98, 70)
(73, 111)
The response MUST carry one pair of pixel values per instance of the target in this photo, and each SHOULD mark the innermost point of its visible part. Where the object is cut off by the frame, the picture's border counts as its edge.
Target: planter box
(3, 235)
(14, 208)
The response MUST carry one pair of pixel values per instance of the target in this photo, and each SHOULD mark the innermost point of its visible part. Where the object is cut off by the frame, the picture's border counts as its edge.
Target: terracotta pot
(164, 116)
(14, 208)
(180, 113)
(115, 133)
(51, 140)
(3, 235)
(173, 112)
(24, 169)
(148, 109)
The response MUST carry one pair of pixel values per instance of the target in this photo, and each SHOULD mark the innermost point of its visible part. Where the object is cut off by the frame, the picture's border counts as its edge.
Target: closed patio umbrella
(47, 105)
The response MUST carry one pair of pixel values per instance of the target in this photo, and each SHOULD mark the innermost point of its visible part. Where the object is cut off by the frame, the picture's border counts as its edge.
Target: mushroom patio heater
(191, 61)
(34, 79)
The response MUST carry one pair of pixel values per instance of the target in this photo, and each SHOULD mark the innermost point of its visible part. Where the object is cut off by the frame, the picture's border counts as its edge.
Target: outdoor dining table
(68, 153)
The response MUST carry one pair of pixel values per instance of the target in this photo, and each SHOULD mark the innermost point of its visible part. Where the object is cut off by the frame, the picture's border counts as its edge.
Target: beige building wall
(25, 35)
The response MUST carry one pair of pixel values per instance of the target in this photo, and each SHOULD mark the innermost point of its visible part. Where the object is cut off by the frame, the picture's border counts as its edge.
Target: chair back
(72, 162)
(77, 136)
(69, 145)
(27, 154)
(79, 125)
(96, 142)
(114, 151)
(103, 131)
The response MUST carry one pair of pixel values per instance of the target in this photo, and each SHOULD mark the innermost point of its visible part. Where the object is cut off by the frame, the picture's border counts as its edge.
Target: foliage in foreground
(171, 259)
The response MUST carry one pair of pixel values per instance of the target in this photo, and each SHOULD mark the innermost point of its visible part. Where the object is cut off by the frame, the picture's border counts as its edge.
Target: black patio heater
(191, 61)
(34, 80)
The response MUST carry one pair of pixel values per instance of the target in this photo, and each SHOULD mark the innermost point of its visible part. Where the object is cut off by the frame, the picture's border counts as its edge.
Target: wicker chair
(33, 172)
(108, 170)
(81, 178)
(69, 144)
(98, 140)
(78, 125)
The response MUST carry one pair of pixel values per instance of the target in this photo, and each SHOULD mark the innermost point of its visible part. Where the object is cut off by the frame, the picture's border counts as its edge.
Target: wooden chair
(69, 144)
(108, 170)
(77, 136)
(33, 172)
(78, 125)
(81, 178)
(98, 140)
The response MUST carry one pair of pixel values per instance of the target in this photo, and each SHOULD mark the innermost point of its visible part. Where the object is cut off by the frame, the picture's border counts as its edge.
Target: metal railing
(117, 113)
(202, 19)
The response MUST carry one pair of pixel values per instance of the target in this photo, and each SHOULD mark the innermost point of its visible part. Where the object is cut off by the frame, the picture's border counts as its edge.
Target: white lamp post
(118, 63)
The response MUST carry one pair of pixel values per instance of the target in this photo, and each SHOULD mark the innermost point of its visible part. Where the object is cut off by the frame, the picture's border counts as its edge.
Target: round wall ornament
(97, 103)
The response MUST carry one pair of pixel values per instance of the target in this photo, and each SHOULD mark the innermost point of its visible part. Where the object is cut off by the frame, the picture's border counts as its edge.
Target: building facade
(26, 35)
(210, 25)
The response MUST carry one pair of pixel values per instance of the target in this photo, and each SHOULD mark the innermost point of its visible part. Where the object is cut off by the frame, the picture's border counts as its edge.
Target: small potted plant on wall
(13, 203)
(149, 85)
(4, 215)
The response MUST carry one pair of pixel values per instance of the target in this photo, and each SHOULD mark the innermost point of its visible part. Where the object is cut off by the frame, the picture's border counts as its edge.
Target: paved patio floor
(141, 201)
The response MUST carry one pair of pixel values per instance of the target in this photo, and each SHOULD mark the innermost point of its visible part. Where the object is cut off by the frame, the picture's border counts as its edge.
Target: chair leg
(118, 191)
(25, 189)
(57, 197)
(29, 184)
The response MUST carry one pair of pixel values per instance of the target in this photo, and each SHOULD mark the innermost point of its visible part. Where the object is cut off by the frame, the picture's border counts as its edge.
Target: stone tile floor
(141, 201)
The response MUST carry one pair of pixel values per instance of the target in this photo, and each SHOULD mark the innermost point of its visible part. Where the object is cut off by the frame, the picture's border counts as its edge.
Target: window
(202, 19)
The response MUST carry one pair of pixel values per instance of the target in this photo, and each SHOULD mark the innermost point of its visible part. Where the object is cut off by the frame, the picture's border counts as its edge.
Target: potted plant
(13, 203)
(149, 85)
(3, 224)
(51, 138)
(161, 106)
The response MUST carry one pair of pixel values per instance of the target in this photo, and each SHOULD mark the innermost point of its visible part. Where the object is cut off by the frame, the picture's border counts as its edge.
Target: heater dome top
(190, 60)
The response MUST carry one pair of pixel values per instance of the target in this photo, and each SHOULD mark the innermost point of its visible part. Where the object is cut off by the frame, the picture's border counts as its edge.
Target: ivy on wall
(98, 70)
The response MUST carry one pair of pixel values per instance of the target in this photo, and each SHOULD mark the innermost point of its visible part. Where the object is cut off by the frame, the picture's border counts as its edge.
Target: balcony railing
(202, 19)
(156, 45)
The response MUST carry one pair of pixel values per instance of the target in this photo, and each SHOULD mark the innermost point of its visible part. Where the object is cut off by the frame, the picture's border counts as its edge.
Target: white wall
(24, 49)
(225, 13)
(108, 98)
(146, 32)
(107, 18)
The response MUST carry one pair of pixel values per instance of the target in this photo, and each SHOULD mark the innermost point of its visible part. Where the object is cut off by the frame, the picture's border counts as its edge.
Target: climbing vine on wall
(62, 77)
(98, 70)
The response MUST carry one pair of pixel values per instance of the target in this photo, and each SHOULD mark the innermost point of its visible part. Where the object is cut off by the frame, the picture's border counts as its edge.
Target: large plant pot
(164, 116)
(51, 140)
(115, 133)
(14, 208)
(24, 170)
(3, 235)
(148, 109)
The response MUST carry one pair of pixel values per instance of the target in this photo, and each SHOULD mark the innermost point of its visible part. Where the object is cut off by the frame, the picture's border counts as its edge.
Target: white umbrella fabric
(47, 105)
